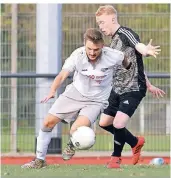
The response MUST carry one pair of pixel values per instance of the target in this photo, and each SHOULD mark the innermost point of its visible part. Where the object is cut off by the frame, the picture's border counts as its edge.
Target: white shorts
(68, 108)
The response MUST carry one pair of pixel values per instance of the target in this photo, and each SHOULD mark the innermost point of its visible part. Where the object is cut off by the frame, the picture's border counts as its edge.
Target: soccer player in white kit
(85, 98)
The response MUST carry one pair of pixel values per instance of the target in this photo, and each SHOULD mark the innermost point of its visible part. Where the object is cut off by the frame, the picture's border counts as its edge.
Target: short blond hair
(107, 9)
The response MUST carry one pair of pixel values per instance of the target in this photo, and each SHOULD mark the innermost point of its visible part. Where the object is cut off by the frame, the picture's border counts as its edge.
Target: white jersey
(93, 81)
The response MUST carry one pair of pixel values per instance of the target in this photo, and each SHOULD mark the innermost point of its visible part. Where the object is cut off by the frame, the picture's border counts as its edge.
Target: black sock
(130, 139)
(119, 141)
(108, 128)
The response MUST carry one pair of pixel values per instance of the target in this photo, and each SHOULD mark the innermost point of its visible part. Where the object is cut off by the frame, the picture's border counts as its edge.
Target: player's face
(105, 23)
(93, 50)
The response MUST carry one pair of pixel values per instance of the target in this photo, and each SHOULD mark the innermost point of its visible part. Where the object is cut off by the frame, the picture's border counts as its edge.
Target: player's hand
(50, 95)
(156, 92)
(152, 50)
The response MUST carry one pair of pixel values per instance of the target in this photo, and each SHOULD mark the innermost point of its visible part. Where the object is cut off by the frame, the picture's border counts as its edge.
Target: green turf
(87, 171)
(104, 142)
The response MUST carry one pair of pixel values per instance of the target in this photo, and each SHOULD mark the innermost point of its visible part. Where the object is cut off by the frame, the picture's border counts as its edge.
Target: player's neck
(115, 28)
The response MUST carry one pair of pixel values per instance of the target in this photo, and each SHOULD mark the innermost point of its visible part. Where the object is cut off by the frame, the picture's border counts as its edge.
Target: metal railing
(34, 75)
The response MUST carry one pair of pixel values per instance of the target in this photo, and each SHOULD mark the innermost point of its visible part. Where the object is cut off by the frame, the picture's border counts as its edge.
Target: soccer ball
(83, 138)
(157, 161)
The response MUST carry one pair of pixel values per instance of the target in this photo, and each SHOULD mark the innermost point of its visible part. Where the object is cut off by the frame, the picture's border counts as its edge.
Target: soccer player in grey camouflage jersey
(129, 85)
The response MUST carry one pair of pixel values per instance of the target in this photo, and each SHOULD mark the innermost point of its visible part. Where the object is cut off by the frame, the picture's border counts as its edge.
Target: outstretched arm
(148, 50)
(132, 40)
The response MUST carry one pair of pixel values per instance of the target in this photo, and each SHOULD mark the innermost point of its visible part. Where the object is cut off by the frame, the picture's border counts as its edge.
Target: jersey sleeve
(118, 56)
(69, 64)
(129, 36)
(114, 56)
(71, 61)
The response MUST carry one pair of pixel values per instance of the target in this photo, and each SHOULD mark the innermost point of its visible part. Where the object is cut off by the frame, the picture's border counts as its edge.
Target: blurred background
(35, 41)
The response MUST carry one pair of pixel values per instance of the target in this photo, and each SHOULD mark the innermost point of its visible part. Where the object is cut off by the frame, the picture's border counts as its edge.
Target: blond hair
(107, 9)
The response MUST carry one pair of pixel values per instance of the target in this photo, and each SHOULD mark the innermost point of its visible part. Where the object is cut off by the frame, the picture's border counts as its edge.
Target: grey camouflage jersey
(132, 79)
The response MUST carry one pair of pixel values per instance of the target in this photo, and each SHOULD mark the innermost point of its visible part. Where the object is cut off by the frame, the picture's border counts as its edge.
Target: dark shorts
(126, 103)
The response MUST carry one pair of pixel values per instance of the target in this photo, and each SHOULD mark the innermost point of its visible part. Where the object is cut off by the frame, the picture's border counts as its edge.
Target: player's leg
(121, 136)
(134, 99)
(106, 123)
(80, 121)
(128, 104)
(107, 117)
(43, 141)
(87, 116)
(119, 139)
(63, 108)
(69, 150)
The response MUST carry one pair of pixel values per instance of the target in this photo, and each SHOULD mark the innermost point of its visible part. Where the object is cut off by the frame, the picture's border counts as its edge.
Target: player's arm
(120, 58)
(148, 83)
(156, 92)
(148, 50)
(132, 39)
(68, 67)
(126, 63)
(59, 79)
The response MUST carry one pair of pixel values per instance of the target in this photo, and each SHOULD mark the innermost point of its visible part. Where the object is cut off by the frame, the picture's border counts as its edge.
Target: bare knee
(120, 120)
(118, 124)
(105, 120)
(80, 121)
(103, 123)
(50, 121)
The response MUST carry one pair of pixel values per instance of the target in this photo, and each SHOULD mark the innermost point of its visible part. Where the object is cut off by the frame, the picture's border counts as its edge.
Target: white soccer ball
(83, 138)
(157, 161)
